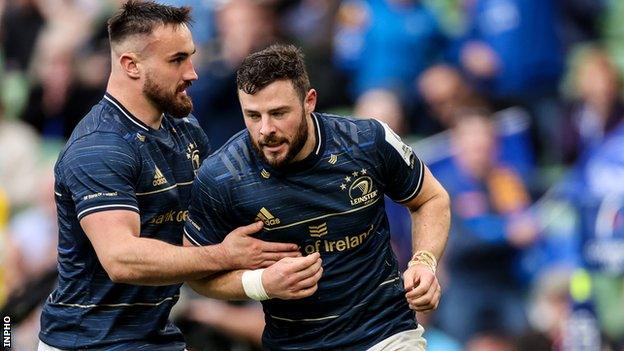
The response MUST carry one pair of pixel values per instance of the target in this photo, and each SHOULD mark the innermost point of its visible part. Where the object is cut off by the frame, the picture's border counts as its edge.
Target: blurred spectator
(514, 54)
(490, 342)
(66, 86)
(4, 247)
(445, 91)
(18, 161)
(222, 325)
(203, 28)
(600, 199)
(34, 231)
(387, 44)
(548, 311)
(512, 48)
(581, 20)
(21, 24)
(598, 106)
(437, 340)
(383, 105)
(490, 227)
(243, 26)
(311, 24)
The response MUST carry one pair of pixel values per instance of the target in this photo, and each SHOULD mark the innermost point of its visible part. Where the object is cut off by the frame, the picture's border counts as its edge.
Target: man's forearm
(223, 286)
(148, 261)
(430, 225)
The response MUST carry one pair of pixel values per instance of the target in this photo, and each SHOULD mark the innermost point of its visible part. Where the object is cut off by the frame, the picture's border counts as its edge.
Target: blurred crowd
(515, 105)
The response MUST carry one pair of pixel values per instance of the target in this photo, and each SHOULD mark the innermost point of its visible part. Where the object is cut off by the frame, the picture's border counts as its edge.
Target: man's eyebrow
(279, 109)
(183, 53)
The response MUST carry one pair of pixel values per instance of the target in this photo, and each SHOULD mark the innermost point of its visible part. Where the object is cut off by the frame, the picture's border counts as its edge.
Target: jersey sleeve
(100, 172)
(207, 222)
(402, 170)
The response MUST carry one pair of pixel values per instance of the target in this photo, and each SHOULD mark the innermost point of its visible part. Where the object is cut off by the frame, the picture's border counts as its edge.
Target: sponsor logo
(159, 178)
(317, 231)
(171, 216)
(359, 186)
(332, 159)
(348, 242)
(96, 195)
(266, 216)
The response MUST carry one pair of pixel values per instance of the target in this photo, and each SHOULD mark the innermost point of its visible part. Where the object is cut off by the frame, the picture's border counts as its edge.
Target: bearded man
(319, 180)
(122, 187)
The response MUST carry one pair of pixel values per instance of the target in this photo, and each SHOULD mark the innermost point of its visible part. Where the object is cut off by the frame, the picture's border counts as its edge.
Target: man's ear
(130, 65)
(310, 101)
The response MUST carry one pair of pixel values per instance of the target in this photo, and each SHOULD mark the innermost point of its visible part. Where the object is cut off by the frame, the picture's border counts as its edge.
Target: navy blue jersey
(332, 202)
(113, 161)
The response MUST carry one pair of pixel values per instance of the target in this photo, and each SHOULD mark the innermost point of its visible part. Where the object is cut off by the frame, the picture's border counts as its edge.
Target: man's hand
(246, 252)
(423, 291)
(293, 278)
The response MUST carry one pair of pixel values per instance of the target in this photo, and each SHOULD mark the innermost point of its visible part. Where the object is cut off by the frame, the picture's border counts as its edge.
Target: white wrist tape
(252, 284)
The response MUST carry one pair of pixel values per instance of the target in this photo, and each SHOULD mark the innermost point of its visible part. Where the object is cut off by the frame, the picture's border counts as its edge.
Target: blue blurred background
(515, 105)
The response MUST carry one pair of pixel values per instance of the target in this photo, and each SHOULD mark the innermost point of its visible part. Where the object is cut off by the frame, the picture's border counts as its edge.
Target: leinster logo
(192, 153)
(359, 187)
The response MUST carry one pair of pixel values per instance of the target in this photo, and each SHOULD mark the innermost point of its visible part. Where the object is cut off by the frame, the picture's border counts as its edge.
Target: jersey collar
(128, 115)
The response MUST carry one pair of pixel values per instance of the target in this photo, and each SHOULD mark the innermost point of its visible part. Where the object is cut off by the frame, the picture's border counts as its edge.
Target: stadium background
(536, 253)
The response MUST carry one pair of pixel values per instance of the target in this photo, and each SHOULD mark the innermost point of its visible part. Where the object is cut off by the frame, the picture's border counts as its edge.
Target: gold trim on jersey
(164, 189)
(324, 216)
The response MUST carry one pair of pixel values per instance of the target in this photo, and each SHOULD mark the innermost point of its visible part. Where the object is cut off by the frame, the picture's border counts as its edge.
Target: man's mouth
(273, 147)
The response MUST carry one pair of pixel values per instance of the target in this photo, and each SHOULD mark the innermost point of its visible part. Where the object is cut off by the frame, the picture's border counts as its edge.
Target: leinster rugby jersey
(113, 161)
(332, 203)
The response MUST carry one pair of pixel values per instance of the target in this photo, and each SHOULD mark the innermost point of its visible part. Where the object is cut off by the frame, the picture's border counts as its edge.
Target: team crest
(360, 188)
(192, 153)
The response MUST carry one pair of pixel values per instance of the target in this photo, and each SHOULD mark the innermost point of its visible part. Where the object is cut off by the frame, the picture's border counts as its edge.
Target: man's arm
(128, 258)
(287, 279)
(430, 225)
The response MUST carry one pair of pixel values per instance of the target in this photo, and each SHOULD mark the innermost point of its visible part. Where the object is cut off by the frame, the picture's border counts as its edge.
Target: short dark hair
(277, 62)
(141, 17)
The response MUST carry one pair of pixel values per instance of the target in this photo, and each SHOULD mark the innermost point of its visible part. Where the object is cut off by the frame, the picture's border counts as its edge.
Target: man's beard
(294, 147)
(174, 104)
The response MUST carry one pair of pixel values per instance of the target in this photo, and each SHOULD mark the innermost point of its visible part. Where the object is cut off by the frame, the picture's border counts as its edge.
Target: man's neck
(134, 101)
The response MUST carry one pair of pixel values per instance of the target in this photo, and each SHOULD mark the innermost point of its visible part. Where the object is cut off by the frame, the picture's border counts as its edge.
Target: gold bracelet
(425, 258)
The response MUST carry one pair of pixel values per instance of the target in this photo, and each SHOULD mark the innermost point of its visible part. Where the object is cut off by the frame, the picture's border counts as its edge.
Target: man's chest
(332, 209)
(164, 184)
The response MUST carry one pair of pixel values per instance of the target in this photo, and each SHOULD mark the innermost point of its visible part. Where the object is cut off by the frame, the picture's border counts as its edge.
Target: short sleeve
(401, 169)
(100, 172)
(207, 223)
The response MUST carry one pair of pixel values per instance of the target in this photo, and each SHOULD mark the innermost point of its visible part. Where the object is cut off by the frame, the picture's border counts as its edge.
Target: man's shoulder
(189, 122)
(102, 125)
(232, 161)
(350, 130)
(99, 131)
(101, 118)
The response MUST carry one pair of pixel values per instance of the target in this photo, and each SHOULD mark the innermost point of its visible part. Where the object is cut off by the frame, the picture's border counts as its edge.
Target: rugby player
(319, 181)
